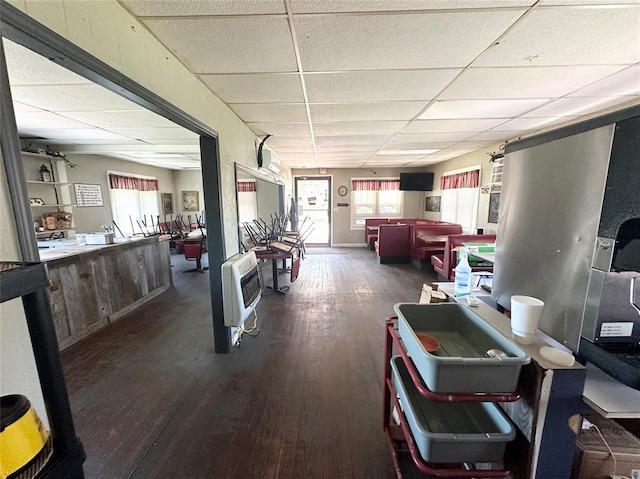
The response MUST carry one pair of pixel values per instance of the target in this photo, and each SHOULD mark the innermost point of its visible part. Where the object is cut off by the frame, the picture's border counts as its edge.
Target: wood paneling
(89, 290)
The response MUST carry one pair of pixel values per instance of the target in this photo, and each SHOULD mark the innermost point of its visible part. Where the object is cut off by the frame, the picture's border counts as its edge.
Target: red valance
(375, 185)
(119, 182)
(468, 179)
(246, 186)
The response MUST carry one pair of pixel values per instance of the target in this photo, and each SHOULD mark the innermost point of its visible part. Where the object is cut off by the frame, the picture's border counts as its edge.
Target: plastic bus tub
(461, 363)
(452, 432)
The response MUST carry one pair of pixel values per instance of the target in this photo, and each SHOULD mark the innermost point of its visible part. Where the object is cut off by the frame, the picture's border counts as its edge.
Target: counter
(94, 285)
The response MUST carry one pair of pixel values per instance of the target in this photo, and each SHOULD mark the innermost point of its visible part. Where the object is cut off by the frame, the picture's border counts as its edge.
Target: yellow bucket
(22, 434)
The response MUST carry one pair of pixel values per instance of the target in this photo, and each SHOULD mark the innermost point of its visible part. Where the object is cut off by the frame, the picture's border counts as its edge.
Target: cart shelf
(397, 434)
(29, 281)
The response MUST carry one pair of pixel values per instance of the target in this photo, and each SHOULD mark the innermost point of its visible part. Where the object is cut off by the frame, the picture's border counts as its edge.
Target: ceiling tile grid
(338, 81)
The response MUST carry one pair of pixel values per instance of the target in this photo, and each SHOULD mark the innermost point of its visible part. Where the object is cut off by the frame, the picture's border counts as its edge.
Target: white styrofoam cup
(525, 318)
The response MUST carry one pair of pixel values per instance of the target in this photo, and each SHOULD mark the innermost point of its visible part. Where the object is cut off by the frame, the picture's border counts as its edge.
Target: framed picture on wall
(190, 201)
(432, 203)
(167, 203)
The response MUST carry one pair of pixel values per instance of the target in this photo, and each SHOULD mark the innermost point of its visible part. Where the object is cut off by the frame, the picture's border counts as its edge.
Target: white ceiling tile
(532, 124)
(45, 120)
(426, 162)
(173, 8)
(430, 137)
(347, 148)
(120, 119)
(150, 134)
(290, 141)
(474, 144)
(498, 136)
(570, 36)
(443, 126)
(85, 97)
(228, 44)
(342, 6)
(75, 134)
(193, 141)
(525, 82)
(366, 111)
(397, 40)
(625, 82)
(23, 107)
(280, 129)
(576, 106)
(28, 68)
(357, 128)
(391, 85)
(94, 141)
(354, 140)
(256, 88)
(269, 112)
(461, 109)
(420, 145)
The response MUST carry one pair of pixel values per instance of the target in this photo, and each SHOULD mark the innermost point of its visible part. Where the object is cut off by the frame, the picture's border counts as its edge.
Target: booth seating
(393, 244)
(425, 241)
(193, 252)
(371, 226)
(371, 230)
(445, 263)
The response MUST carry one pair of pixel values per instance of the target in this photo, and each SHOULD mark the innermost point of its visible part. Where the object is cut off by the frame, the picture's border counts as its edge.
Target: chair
(193, 252)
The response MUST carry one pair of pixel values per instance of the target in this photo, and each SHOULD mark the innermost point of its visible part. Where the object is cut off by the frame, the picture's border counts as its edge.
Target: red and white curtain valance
(119, 182)
(467, 179)
(246, 186)
(375, 185)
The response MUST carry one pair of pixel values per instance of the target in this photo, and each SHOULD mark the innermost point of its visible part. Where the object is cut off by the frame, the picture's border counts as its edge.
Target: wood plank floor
(151, 399)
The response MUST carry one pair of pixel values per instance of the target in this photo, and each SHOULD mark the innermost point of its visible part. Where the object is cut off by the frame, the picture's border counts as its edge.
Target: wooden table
(274, 255)
(431, 238)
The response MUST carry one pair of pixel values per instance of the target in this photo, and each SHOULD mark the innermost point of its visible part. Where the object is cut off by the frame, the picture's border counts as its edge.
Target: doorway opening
(313, 196)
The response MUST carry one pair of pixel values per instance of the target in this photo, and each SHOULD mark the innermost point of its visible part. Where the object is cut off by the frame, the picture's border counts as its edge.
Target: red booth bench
(445, 263)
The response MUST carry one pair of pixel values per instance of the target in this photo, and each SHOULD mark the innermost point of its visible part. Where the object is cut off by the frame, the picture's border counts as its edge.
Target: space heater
(241, 288)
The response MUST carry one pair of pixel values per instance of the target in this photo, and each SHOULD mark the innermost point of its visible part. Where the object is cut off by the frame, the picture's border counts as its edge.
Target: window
(134, 202)
(375, 198)
(460, 192)
(247, 201)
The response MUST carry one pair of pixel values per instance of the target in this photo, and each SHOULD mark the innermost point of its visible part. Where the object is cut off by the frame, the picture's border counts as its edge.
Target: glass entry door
(314, 201)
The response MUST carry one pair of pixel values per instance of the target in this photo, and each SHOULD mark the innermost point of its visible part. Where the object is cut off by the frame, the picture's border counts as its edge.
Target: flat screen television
(416, 181)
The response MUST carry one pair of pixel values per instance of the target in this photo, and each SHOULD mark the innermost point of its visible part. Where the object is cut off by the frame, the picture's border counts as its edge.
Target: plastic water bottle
(462, 281)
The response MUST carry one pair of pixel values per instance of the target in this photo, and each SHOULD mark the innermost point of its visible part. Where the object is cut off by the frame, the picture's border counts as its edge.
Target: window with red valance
(246, 186)
(466, 179)
(120, 182)
(375, 185)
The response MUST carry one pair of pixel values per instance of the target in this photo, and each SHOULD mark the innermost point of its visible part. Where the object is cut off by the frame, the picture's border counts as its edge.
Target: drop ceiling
(355, 83)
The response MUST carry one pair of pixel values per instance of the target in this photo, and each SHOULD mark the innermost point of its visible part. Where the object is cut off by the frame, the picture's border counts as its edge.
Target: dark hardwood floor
(151, 399)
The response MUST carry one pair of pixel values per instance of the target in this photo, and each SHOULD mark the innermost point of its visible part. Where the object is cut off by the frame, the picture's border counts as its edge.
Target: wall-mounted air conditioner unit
(270, 161)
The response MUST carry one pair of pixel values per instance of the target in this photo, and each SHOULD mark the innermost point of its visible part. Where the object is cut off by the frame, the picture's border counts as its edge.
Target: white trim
(350, 245)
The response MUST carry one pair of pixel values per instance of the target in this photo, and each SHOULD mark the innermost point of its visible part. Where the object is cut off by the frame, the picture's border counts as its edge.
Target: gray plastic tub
(452, 432)
(460, 364)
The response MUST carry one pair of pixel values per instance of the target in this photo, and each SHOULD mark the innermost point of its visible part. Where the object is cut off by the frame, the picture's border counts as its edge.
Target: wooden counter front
(92, 288)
